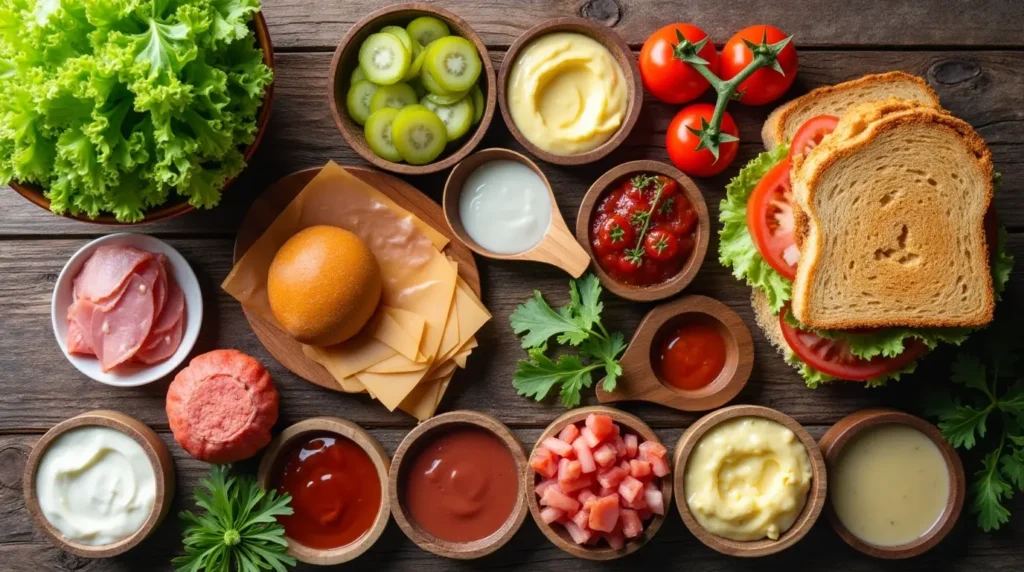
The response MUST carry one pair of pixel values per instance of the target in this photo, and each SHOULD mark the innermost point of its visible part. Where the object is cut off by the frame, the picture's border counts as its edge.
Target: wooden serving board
(264, 211)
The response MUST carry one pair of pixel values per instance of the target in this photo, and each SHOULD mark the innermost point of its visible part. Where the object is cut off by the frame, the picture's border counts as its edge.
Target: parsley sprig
(577, 324)
(984, 407)
(239, 530)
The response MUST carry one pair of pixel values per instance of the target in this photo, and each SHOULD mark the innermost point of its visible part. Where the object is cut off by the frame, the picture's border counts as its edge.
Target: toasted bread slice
(894, 206)
(783, 123)
(768, 321)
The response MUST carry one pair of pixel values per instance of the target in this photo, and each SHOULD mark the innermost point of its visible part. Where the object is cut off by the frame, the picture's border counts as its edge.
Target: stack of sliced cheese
(424, 326)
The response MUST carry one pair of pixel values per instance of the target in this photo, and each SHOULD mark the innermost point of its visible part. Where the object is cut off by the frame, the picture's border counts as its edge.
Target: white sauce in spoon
(505, 207)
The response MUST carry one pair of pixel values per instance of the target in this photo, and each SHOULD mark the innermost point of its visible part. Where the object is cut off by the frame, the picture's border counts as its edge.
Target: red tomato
(615, 234)
(682, 143)
(686, 244)
(766, 84)
(661, 245)
(770, 220)
(833, 357)
(628, 265)
(811, 133)
(669, 187)
(650, 272)
(667, 77)
(683, 218)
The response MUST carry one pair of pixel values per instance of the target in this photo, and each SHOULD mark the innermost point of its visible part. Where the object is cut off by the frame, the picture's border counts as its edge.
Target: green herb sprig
(577, 324)
(983, 409)
(239, 530)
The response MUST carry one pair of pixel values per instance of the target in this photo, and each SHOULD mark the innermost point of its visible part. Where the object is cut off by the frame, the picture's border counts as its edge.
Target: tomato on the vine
(667, 77)
(615, 234)
(629, 264)
(766, 84)
(811, 133)
(661, 245)
(682, 143)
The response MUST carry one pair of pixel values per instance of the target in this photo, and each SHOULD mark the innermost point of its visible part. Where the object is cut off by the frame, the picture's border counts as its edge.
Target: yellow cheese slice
(395, 364)
(348, 384)
(422, 403)
(464, 352)
(391, 388)
(409, 321)
(398, 338)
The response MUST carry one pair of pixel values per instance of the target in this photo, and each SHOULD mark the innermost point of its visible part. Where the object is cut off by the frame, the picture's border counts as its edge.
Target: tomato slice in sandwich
(833, 357)
(770, 220)
(811, 133)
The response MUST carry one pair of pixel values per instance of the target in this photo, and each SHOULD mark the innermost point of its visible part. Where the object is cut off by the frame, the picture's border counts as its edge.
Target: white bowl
(129, 374)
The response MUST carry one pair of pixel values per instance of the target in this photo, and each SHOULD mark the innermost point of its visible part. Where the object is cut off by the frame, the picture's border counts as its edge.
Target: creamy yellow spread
(748, 479)
(566, 93)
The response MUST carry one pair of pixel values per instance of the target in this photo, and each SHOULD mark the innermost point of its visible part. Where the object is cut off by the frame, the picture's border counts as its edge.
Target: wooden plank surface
(970, 52)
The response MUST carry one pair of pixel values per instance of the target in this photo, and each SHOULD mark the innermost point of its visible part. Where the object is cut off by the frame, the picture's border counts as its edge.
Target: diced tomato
(590, 438)
(557, 446)
(579, 536)
(544, 463)
(584, 455)
(655, 500)
(580, 483)
(605, 455)
(605, 514)
(584, 496)
(637, 469)
(594, 539)
(569, 433)
(645, 513)
(632, 444)
(615, 540)
(629, 489)
(659, 466)
(605, 491)
(600, 425)
(551, 514)
(543, 486)
(639, 504)
(611, 478)
(625, 465)
(568, 471)
(632, 526)
(620, 446)
(582, 518)
(553, 497)
(650, 449)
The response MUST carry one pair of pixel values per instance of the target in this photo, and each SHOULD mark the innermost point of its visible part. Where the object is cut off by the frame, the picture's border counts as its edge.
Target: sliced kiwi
(417, 62)
(384, 59)
(478, 103)
(430, 83)
(457, 117)
(401, 34)
(359, 100)
(418, 134)
(377, 131)
(417, 86)
(454, 63)
(426, 29)
(357, 75)
(447, 99)
(396, 95)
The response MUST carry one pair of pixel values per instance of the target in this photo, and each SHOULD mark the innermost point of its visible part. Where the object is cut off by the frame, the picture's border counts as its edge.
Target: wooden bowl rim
(431, 543)
(356, 140)
(727, 385)
(620, 51)
(451, 196)
(381, 462)
(157, 453)
(851, 426)
(602, 553)
(34, 193)
(685, 276)
(815, 496)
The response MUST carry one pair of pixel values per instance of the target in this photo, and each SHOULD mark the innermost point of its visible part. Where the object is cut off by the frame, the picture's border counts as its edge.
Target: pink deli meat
(162, 346)
(118, 333)
(106, 271)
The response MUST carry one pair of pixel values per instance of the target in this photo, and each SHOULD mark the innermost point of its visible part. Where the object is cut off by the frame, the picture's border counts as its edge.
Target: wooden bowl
(559, 537)
(346, 59)
(34, 192)
(640, 380)
(282, 444)
(673, 285)
(849, 427)
(753, 548)
(558, 247)
(409, 449)
(623, 56)
(156, 451)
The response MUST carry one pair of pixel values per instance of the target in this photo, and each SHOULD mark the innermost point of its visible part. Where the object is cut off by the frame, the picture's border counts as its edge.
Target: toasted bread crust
(773, 132)
(768, 321)
(887, 116)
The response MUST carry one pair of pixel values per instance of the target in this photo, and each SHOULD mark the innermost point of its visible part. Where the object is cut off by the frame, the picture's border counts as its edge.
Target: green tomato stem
(647, 219)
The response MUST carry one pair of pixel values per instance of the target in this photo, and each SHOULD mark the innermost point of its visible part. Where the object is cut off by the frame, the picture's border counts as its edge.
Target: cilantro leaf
(607, 351)
(1012, 467)
(960, 426)
(590, 305)
(540, 322)
(990, 490)
(969, 371)
(536, 378)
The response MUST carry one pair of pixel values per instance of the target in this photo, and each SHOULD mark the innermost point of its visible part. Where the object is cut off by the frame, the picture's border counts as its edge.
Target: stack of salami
(126, 307)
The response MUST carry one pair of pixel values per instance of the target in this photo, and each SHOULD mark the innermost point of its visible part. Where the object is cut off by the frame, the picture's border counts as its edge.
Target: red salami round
(222, 406)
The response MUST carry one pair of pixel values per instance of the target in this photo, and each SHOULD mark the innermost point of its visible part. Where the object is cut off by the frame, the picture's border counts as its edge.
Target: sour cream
(95, 485)
(505, 207)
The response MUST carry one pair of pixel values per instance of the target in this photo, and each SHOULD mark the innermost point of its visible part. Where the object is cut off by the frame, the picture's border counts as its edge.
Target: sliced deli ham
(173, 308)
(162, 346)
(118, 333)
(107, 271)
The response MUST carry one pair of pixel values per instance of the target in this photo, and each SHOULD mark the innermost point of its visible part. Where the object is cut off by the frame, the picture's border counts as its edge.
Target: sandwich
(866, 230)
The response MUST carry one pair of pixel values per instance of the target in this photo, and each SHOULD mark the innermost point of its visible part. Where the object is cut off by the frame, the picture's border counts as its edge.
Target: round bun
(323, 285)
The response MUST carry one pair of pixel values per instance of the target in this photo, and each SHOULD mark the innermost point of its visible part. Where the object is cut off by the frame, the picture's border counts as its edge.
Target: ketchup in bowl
(643, 230)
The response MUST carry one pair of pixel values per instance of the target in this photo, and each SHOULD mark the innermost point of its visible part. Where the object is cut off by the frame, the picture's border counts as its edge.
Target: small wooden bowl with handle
(157, 453)
(346, 60)
(558, 535)
(405, 457)
(623, 56)
(558, 247)
(702, 235)
(849, 428)
(751, 548)
(641, 379)
(283, 443)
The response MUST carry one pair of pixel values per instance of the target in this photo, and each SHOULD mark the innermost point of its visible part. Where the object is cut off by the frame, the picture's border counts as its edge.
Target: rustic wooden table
(971, 53)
